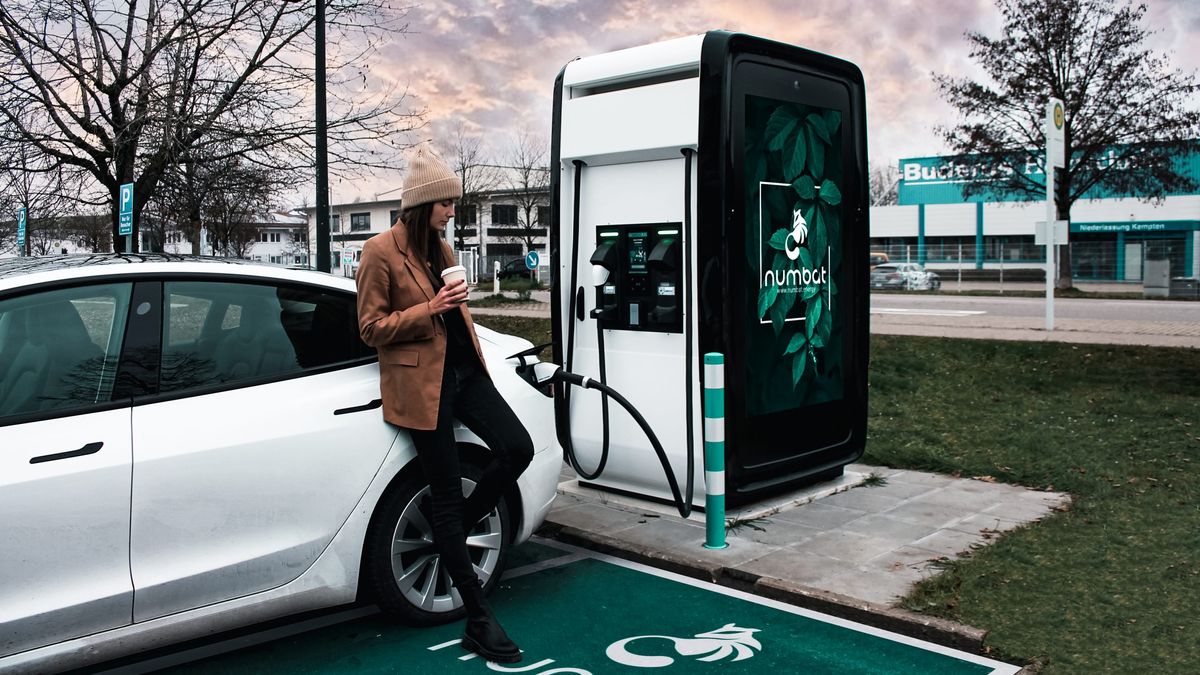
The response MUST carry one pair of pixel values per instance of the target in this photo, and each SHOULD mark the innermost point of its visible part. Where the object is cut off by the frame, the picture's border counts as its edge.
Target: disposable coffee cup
(453, 274)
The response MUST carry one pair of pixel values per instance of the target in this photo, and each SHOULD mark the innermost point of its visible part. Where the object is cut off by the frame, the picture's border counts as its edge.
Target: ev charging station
(709, 194)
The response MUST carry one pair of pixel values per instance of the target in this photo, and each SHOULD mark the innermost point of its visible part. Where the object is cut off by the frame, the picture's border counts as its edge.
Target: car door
(64, 467)
(265, 433)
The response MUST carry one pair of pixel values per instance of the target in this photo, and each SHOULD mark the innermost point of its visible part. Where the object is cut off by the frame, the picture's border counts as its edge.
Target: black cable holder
(576, 314)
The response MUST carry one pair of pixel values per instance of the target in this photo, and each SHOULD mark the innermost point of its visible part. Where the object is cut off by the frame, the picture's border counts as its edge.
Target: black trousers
(469, 395)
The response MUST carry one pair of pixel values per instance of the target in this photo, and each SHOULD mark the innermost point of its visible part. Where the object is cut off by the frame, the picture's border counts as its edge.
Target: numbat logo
(729, 640)
(798, 234)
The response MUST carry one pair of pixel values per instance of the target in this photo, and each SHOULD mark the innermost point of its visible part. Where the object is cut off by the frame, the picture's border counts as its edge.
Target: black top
(459, 350)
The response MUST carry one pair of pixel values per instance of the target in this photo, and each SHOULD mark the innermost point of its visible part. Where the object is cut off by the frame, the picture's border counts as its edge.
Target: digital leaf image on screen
(793, 168)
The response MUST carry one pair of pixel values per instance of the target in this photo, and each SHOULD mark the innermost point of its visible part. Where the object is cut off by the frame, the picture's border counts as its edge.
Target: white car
(906, 276)
(190, 445)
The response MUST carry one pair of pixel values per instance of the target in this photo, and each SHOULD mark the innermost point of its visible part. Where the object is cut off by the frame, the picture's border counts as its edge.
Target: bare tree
(44, 189)
(122, 90)
(885, 185)
(528, 184)
(90, 232)
(1129, 117)
(479, 176)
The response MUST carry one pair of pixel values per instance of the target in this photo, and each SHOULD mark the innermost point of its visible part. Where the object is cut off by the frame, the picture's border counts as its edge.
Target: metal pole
(1051, 249)
(714, 450)
(322, 233)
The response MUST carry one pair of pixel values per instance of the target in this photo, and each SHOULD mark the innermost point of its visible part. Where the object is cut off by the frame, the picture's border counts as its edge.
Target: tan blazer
(394, 317)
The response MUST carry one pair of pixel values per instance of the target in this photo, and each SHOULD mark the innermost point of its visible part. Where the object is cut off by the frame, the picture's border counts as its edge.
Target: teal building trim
(1119, 273)
(943, 179)
(1137, 226)
(1189, 255)
(979, 235)
(921, 233)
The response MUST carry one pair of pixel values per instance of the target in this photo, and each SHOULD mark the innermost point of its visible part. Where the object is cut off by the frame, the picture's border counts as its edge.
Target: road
(1153, 323)
(1085, 320)
(1064, 308)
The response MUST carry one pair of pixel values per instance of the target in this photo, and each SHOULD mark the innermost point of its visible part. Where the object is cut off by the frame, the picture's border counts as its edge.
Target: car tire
(935, 284)
(402, 566)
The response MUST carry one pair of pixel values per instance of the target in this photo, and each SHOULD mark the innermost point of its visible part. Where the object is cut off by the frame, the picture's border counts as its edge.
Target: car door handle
(377, 403)
(90, 448)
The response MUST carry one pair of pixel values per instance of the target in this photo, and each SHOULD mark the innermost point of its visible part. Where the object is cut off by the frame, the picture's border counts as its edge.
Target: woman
(431, 371)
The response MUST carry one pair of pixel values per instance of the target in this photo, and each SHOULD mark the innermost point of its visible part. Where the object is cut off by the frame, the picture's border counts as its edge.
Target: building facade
(1111, 235)
(489, 228)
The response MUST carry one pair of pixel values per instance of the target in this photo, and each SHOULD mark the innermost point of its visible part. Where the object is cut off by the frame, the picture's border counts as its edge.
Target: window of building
(543, 216)
(466, 215)
(393, 216)
(950, 248)
(504, 214)
(1012, 247)
(360, 222)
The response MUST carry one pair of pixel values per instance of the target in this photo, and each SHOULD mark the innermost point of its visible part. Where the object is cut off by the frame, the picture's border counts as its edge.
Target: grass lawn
(1113, 584)
(536, 331)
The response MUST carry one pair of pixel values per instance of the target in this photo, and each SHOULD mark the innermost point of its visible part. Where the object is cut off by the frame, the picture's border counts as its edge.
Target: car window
(59, 349)
(218, 333)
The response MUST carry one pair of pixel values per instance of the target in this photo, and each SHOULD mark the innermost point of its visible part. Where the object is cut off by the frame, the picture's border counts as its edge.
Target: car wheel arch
(469, 452)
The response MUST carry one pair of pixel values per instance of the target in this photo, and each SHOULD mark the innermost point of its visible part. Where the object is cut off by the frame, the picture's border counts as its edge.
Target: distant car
(191, 445)
(878, 258)
(515, 269)
(904, 276)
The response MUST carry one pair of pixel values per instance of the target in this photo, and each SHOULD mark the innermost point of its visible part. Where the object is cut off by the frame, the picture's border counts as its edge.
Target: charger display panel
(644, 289)
(792, 152)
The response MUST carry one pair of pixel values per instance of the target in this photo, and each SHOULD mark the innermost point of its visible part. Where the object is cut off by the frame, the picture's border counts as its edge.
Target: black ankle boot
(484, 635)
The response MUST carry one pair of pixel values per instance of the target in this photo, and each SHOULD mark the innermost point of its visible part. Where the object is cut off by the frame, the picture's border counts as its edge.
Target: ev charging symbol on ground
(717, 644)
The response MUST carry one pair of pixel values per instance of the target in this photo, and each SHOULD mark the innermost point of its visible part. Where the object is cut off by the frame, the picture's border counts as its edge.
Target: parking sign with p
(126, 210)
(21, 226)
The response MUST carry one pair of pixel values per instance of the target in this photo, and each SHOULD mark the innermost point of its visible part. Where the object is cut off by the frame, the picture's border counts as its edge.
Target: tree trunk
(1064, 280)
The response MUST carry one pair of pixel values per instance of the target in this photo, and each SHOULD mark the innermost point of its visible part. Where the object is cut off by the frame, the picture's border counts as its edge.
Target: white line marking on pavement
(926, 312)
(997, 667)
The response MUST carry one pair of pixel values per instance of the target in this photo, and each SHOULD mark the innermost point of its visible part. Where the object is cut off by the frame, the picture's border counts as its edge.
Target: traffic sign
(21, 215)
(531, 260)
(1056, 122)
(126, 210)
(1052, 236)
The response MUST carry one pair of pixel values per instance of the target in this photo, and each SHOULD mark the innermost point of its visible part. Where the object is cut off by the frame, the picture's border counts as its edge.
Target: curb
(932, 629)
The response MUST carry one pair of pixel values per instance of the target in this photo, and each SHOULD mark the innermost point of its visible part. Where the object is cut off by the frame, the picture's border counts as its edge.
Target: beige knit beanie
(429, 180)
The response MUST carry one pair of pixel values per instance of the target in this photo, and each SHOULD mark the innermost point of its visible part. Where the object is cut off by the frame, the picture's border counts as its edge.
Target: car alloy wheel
(404, 566)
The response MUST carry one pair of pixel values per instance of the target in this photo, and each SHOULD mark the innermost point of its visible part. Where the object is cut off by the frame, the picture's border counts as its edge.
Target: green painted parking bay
(574, 611)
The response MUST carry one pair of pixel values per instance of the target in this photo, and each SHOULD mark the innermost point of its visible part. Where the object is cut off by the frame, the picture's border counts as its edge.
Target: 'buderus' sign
(940, 180)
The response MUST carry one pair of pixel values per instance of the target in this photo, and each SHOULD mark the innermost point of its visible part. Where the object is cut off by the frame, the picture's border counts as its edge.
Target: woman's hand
(452, 295)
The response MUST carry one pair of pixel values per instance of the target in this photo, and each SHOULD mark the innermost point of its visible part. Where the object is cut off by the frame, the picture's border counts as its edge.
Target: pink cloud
(492, 65)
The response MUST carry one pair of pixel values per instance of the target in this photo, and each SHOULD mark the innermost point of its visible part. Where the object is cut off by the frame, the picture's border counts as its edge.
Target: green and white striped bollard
(714, 450)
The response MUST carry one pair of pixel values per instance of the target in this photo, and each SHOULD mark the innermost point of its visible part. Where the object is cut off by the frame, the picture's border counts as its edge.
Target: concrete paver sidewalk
(860, 547)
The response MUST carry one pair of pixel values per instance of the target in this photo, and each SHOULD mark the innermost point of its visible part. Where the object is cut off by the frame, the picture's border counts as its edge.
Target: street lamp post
(323, 262)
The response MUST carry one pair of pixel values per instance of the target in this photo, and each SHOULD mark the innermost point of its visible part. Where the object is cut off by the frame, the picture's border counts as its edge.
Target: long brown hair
(422, 240)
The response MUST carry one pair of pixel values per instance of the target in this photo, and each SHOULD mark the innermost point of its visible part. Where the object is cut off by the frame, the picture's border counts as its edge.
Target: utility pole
(322, 233)
(1052, 232)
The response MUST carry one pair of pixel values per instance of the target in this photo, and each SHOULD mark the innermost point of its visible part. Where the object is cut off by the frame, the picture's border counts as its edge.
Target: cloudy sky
(491, 64)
